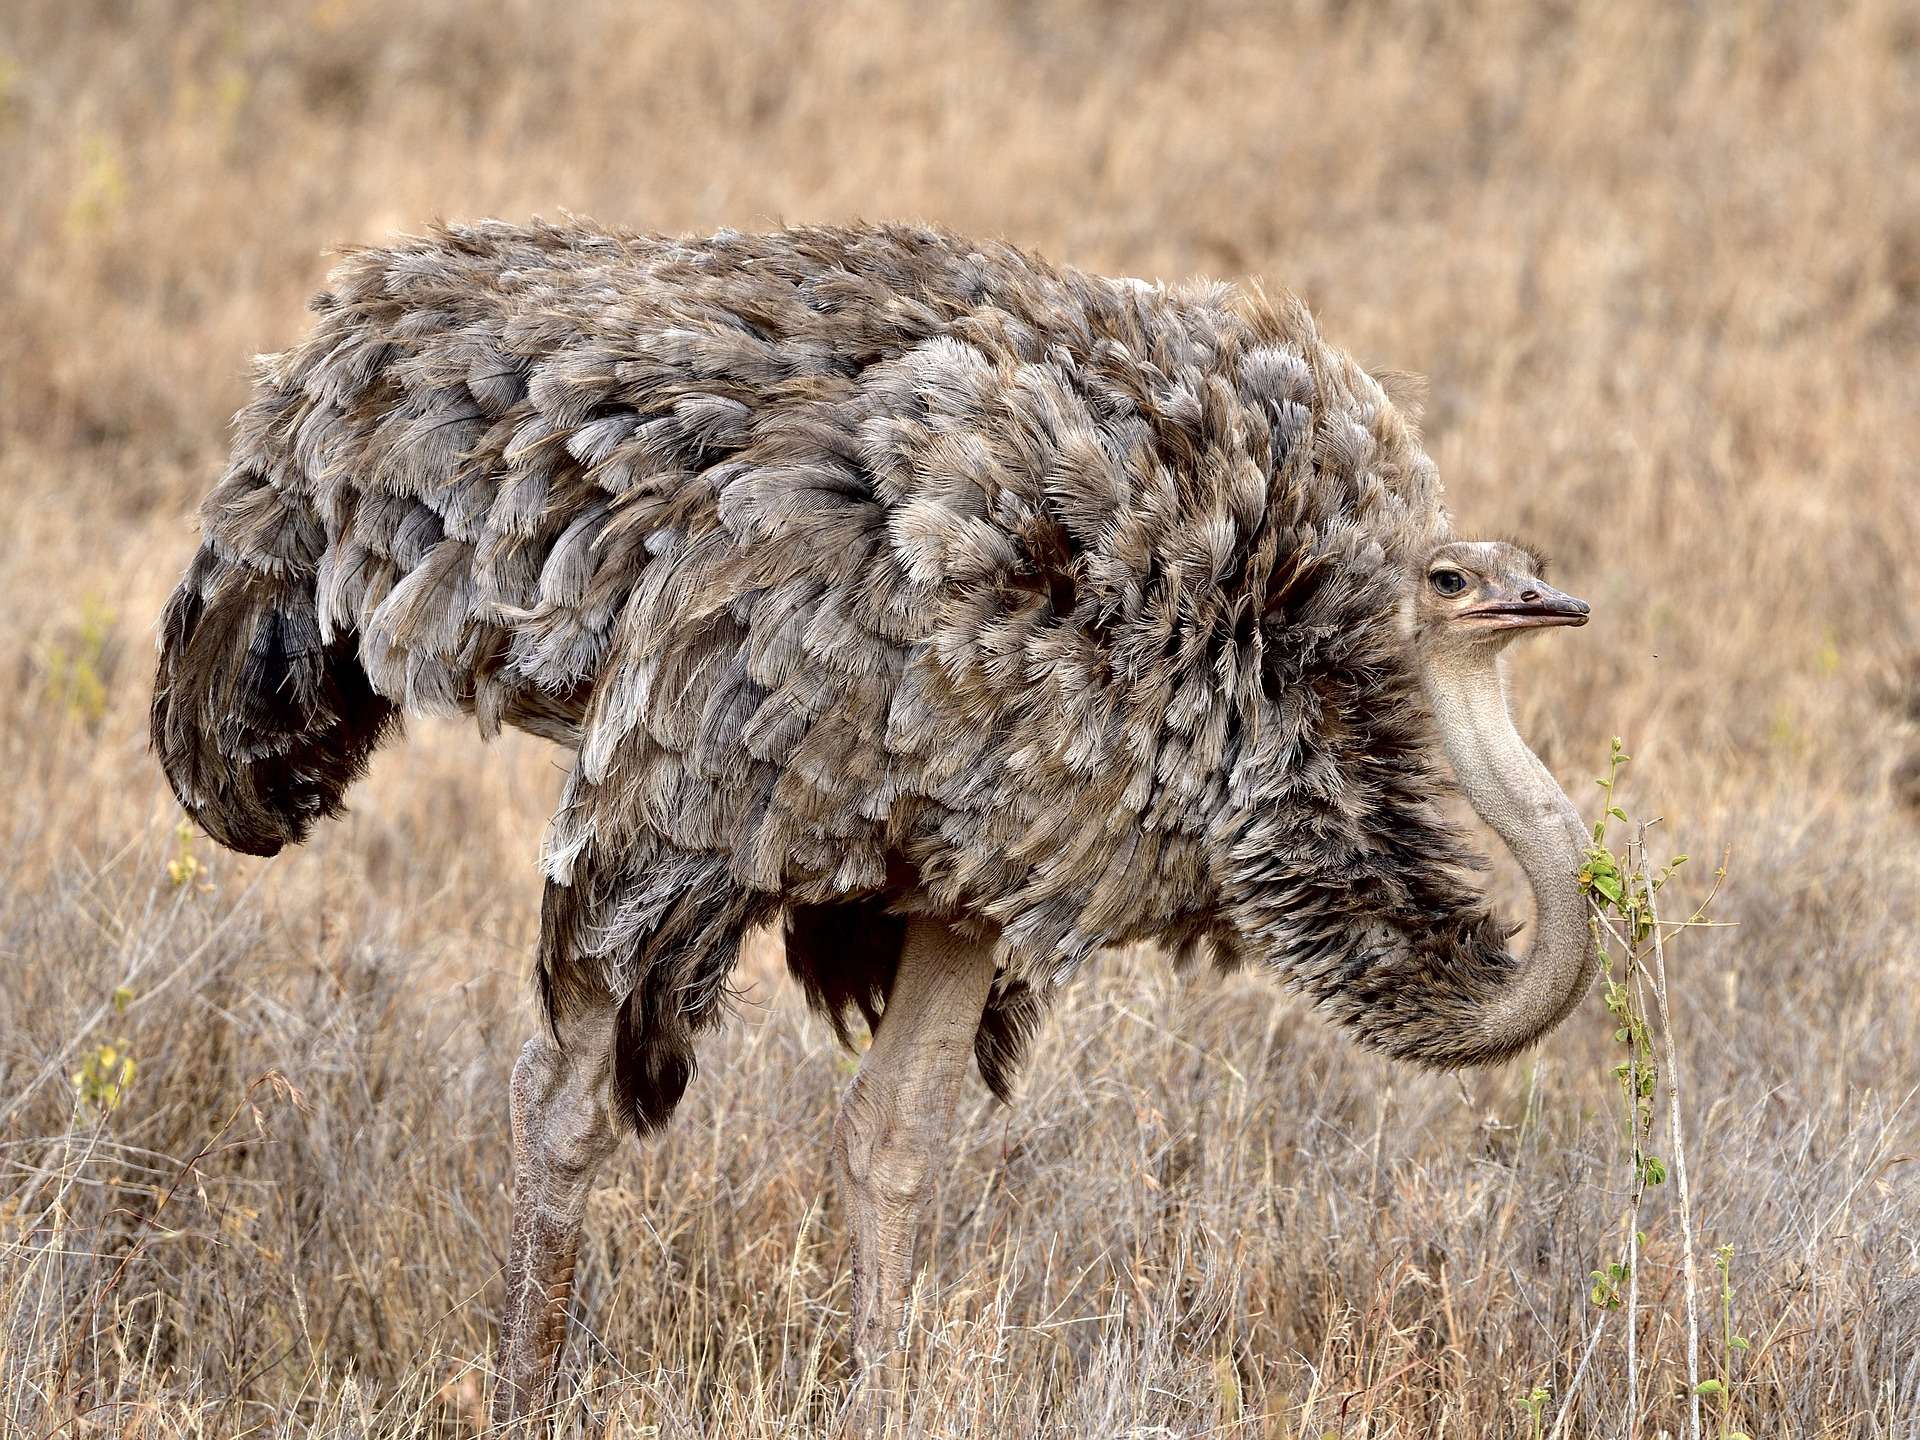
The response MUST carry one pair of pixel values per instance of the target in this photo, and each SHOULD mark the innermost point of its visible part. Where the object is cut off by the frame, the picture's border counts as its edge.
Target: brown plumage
(870, 572)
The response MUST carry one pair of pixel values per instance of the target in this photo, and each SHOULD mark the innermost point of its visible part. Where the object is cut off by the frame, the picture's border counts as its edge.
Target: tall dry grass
(1662, 264)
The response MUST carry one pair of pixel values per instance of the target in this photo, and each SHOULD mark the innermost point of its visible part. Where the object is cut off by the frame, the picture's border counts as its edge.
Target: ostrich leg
(563, 1131)
(893, 1121)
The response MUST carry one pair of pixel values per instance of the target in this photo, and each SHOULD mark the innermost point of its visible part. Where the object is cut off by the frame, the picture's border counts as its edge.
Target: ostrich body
(963, 613)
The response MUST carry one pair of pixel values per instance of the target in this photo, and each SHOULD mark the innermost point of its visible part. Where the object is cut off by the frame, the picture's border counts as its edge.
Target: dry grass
(1663, 265)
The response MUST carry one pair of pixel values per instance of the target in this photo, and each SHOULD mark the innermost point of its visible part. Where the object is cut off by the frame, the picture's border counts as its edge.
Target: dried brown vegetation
(1661, 266)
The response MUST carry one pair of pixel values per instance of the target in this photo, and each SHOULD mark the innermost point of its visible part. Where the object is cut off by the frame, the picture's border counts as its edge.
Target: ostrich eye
(1447, 582)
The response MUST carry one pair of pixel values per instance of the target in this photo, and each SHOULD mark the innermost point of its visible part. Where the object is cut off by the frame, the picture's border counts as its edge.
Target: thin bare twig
(1688, 1271)
(1573, 1385)
(1632, 978)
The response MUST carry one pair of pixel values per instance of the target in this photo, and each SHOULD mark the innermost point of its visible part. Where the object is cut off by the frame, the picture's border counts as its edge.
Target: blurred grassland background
(1662, 266)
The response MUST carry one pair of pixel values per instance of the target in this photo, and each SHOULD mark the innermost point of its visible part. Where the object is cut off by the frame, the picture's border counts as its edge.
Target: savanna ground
(1662, 265)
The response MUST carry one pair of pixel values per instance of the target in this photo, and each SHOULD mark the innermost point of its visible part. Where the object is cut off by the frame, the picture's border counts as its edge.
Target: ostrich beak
(1527, 605)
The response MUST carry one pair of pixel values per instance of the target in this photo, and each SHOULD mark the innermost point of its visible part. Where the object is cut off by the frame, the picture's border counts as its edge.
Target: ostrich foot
(562, 1132)
(893, 1122)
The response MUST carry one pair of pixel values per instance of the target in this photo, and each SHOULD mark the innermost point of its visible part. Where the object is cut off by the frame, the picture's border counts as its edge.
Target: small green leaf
(1709, 1387)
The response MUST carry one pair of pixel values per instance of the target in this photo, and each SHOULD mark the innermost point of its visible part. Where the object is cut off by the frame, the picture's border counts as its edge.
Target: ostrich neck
(1513, 792)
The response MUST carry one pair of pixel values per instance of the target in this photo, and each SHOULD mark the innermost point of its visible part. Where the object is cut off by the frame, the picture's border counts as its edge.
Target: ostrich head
(1478, 595)
(1468, 603)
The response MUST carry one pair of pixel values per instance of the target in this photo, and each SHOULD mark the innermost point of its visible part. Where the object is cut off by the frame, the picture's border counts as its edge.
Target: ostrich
(961, 613)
